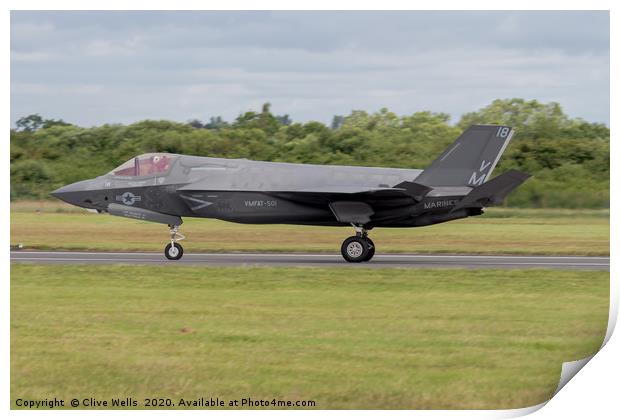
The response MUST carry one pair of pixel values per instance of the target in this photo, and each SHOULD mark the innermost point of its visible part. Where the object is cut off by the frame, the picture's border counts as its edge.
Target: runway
(314, 260)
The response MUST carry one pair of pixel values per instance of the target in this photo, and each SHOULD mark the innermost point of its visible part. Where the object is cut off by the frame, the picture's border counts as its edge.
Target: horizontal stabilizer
(492, 192)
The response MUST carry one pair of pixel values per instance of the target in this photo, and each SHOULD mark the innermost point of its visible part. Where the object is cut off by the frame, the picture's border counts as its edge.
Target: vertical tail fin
(470, 160)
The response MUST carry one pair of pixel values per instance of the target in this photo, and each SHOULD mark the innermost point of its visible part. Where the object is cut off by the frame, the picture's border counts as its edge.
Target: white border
(593, 393)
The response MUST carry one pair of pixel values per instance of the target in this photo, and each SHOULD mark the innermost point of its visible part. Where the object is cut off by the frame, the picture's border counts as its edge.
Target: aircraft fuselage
(244, 191)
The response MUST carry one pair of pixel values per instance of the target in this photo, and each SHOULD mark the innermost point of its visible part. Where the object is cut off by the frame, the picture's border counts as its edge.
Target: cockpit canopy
(145, 165)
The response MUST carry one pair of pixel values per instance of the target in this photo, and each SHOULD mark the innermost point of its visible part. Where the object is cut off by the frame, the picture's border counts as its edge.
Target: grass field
(380, 339)
(50, 225)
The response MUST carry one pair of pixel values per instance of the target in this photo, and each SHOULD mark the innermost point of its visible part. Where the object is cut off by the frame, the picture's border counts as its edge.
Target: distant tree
(245, 119)
(196, 123)
(54, 123)
(264, 121)
(216, 123)
(384, 118)
(34, 122)
(337, 122)
(531, 119)
(30, 123)
(581, 129)
(366, 121)
(284, 119)
(357, 119)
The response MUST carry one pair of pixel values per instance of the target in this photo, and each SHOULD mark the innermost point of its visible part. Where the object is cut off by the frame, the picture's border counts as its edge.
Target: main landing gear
(174, 250)
(358, 248)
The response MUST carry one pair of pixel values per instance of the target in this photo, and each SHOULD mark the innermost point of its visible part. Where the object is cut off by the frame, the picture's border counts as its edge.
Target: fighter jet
(165, 187)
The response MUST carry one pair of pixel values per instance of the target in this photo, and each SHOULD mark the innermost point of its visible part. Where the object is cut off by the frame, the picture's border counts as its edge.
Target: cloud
(92, 68)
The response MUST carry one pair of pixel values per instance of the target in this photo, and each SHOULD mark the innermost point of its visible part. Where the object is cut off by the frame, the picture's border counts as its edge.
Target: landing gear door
(355, 212)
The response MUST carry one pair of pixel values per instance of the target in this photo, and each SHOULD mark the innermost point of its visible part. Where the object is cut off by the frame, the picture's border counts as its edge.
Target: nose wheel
(174, 250)
(358, 248)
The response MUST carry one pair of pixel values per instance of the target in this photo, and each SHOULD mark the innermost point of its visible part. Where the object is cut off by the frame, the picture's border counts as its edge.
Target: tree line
(568, 157)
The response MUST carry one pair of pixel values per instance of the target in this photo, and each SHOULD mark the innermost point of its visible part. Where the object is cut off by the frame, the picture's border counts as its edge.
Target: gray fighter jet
(164, 187)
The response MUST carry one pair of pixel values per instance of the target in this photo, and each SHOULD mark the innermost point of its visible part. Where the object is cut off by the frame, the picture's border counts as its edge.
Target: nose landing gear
(174, 250)
(358, 248)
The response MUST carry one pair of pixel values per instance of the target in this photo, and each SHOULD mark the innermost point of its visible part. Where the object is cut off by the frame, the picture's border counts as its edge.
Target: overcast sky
(91, 68)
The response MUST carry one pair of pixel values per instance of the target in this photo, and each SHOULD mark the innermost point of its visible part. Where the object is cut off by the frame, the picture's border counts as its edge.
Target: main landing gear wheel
(358, 248)
(355, 249)
(371, 249)
(173, 251)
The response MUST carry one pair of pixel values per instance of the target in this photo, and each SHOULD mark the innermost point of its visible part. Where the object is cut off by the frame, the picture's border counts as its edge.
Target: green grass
(48, 225)
(379, 339)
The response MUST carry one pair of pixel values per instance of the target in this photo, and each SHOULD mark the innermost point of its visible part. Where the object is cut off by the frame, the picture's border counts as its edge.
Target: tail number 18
(502, 132)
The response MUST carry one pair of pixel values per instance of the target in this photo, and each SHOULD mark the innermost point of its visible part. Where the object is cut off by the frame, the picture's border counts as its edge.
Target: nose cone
(77, 193)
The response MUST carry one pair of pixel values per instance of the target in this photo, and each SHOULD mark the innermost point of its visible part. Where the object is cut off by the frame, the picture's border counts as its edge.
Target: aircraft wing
(406, 188)
(349, 189)
(324, 195)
